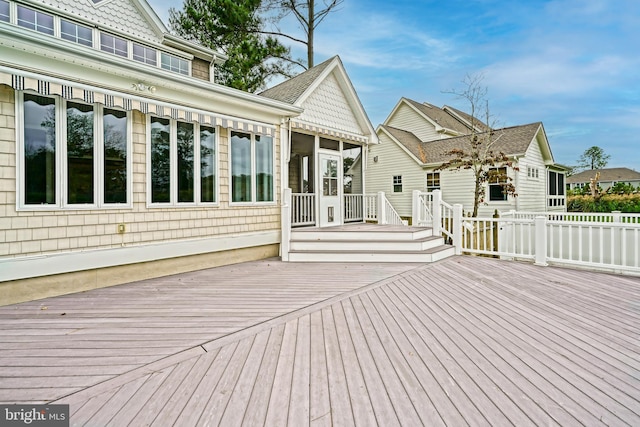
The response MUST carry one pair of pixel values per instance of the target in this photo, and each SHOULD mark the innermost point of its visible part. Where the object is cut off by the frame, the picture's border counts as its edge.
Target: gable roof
(291, 90)
(303, 91)
(606, 175)
(467, 119)
(512, 141)
(438, 116)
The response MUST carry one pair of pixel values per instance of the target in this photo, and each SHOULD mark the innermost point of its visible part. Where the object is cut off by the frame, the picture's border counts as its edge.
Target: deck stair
(367, 243)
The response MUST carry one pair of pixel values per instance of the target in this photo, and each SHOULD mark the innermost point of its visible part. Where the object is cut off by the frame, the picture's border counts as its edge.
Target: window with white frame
(145, 54)
(5, 11)
(252, 168)
(72, 154)
(76, 33)
(113, 44)
(433, 181)
(183, 167)
(497, 180)
(35, 20)
(397, 183)
(173, 63)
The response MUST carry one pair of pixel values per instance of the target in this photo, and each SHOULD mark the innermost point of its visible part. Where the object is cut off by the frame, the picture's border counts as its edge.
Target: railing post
(616, 216)
(540, 227)
(457, 228)
(416, 208)
(436, 212)
(285, 224)
(382, 211)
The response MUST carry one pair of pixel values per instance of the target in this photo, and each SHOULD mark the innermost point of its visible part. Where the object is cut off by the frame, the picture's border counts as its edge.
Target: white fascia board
(42, 46)
(69, 262)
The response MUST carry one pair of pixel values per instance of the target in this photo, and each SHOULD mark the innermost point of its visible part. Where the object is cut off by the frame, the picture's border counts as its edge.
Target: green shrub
(628, 203)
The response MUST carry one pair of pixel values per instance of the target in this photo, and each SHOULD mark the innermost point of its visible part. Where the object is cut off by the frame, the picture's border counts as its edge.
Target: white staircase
(367, 243)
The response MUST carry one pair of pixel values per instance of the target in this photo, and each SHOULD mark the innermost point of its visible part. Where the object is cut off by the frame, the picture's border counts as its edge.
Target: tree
(308, 17)
(478, 153)
(234, 28)
(593, 158)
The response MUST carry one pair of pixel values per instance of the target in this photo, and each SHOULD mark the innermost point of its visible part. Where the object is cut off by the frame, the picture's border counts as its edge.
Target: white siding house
(415, 141)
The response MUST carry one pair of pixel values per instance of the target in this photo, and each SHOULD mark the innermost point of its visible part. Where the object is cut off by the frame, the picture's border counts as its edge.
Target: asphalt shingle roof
(440, 116)
(291, 90)
(511, 141)
(611, 174)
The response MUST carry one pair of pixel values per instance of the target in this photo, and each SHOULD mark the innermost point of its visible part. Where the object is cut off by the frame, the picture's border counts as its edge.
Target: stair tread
(424, 251)
(422, 239)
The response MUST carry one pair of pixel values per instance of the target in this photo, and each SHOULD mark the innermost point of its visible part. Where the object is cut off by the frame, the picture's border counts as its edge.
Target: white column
(457, 228)
(436, 212)
(540, 230)
(285, 225)
(382, 212)
(415, 208)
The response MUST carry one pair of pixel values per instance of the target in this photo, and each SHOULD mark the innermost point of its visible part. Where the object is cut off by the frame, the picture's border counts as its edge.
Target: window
(433, 181)
(144, 54)
(113, 44)
(208, 164)
(39, 151)
(4, 11)
(251, 168)
(72, 154)
(497, 179)
(76, 33)
(397, 183)
(35, 20)
(180, 152)
(173, 63)
(556, 184)
(80, 153)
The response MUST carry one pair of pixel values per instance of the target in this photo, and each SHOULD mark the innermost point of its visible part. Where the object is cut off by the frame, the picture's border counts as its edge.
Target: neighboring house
(121, 158)
(607, 179)
(415, 140)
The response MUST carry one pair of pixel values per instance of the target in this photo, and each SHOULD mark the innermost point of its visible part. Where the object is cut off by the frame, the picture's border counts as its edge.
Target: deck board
(465, 341)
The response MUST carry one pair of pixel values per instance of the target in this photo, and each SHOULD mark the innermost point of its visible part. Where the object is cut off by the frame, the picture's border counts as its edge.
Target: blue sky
(572, 64)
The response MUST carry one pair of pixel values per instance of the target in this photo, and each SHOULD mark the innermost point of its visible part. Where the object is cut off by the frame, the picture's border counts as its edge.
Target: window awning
(320, 130)
(22, 80)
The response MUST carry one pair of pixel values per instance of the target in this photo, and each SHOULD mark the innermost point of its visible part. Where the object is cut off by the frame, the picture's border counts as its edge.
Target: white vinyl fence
(606, 241)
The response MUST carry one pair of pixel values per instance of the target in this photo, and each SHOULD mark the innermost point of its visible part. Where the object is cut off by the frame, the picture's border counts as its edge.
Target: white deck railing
(303, 209)
(370, 202)
(353, 208)
(608, 241)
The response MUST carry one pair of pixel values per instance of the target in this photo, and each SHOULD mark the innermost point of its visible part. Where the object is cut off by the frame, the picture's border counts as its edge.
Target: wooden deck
(464, 341)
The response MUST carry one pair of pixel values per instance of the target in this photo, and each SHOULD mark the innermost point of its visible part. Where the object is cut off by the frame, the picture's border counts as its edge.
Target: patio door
(330, 170)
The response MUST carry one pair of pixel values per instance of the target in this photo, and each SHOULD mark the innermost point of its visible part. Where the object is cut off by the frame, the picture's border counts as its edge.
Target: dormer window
(145, 54)
(113, 44)
(35, 20)
(76, 33)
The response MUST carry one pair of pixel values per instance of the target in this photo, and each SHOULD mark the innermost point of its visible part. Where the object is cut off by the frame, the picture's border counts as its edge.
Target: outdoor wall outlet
(122, 228)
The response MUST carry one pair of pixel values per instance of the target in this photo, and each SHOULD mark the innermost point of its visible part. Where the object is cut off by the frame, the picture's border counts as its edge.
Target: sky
(573, 65)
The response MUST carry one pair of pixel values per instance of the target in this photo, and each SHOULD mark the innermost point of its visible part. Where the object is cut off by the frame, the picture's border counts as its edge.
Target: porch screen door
(330, 191)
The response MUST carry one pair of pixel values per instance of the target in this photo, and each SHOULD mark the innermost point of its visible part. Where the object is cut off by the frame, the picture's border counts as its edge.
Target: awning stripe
(47, 86)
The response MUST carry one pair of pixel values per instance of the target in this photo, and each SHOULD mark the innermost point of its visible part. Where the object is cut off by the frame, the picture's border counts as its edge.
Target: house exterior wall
(38, 243)
(532, 190)
(406, 118)
(200, 69)
(393, 160)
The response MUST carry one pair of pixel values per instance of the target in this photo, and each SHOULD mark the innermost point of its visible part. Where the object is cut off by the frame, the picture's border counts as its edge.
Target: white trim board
(60, 263)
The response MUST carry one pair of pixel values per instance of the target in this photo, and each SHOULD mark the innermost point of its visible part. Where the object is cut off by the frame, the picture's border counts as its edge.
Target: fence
(608, 241)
